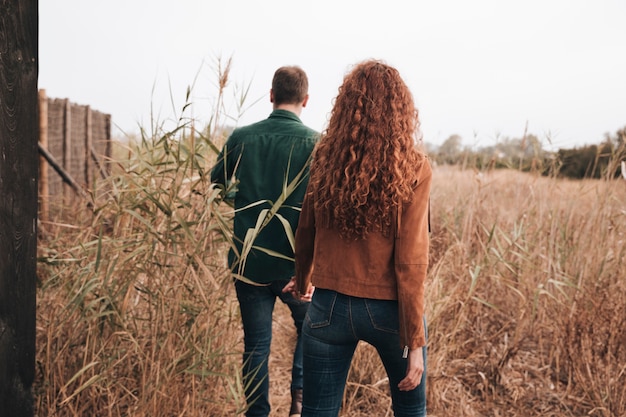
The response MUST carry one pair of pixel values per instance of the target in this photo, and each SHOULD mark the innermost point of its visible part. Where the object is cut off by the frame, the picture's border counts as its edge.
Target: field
(526, 298)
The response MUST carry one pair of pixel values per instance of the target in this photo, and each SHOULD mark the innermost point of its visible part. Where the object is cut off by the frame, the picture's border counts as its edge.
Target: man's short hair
(290, 85)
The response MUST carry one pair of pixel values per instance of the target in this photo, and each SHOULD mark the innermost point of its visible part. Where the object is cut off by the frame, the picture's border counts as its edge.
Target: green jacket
(263, 158)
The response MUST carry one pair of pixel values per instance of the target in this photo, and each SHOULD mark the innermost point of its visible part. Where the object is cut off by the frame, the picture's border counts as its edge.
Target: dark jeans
(256, 304)
(334, 325)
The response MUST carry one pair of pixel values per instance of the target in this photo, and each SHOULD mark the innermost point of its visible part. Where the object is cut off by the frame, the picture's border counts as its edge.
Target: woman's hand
(414, 371)
(292, 288)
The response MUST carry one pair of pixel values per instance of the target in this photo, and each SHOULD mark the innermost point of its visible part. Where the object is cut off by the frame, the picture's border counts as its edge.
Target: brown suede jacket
(380, 267)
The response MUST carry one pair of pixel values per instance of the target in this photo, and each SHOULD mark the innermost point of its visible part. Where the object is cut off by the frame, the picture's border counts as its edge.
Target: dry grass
(136, 313)
(525, 304)
(527, 297)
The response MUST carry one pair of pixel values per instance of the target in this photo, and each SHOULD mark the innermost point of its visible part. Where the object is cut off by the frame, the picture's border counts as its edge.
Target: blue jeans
(334, 324)
(256, 304)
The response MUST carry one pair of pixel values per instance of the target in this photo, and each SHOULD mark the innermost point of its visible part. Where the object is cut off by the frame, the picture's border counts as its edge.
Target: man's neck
(294, 108)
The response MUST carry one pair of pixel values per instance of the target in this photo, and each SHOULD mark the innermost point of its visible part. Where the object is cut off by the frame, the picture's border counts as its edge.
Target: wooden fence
(75, 147)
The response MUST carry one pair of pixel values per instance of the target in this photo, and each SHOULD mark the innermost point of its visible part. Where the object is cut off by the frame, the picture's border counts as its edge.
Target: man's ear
(271, 95)
(306, 99)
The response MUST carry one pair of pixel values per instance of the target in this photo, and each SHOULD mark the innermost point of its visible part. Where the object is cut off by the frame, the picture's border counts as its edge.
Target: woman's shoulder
(423, 169)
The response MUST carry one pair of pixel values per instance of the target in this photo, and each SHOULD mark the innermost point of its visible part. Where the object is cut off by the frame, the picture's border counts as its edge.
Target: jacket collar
(284, 114)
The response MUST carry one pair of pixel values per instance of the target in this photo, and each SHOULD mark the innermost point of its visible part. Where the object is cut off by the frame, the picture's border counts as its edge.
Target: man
(269, 162)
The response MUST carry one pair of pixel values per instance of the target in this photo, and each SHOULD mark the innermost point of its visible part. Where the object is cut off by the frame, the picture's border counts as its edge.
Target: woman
(362, 243)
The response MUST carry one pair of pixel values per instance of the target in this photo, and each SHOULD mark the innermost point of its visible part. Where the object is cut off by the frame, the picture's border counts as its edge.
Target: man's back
(264, 158)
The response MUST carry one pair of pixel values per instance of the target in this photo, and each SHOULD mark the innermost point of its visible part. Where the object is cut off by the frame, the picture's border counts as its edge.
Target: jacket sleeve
(305, 245)
(411, 262)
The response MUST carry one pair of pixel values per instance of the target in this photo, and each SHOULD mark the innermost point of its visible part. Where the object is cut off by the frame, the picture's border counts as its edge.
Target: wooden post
(88, 146)
(44, 186)
(67, 149)
(108, 153)
(19, 163)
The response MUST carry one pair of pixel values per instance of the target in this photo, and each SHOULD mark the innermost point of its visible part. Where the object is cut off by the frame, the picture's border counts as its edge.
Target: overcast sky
(483, 69)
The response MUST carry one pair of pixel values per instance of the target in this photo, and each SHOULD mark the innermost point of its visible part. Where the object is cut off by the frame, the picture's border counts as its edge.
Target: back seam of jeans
(354, 332)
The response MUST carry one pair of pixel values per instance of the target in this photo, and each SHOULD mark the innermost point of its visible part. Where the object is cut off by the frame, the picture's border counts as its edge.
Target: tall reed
(135, 311)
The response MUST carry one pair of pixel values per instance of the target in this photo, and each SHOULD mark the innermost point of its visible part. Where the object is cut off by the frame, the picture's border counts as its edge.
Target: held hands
(292, 288)
(414, 370)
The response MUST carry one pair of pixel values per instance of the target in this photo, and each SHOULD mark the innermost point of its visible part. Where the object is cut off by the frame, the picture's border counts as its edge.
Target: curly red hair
(366, 162)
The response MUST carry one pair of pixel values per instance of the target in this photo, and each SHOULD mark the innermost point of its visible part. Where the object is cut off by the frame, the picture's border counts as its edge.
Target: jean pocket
(383, 315)
(321, 308)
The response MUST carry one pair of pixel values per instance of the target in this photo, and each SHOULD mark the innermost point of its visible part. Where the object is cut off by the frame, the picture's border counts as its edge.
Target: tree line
(528, 154)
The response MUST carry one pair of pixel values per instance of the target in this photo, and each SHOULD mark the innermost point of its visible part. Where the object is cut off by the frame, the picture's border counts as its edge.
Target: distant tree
(450, 150)
(576, 162)
(619, 140)
(525, 154)
(618, 153)
(592, 161)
